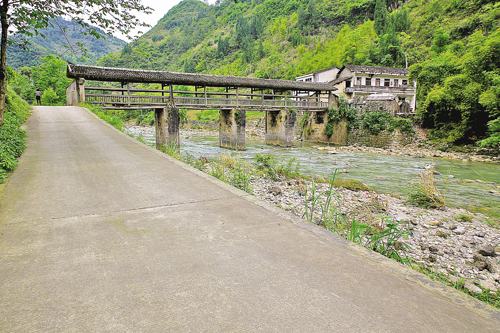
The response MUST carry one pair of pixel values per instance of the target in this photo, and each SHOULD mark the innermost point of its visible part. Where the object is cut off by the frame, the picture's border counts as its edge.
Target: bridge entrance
(233, 96)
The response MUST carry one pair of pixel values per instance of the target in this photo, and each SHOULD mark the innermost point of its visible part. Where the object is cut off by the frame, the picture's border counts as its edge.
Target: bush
(404, 125)
(344, 111)
(12, 137)
(49, 97)
(275, 170)
(376, 122)
(425, 194)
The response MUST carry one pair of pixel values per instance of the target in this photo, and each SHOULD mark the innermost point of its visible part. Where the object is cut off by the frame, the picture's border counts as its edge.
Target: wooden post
(205, 93)
(171, 95)
(128, 93)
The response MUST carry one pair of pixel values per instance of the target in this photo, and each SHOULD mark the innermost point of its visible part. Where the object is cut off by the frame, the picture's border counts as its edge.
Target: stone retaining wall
(383, 139)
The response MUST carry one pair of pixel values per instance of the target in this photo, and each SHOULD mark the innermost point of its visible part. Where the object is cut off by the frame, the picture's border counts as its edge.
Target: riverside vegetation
(452, 245)
(12, 136)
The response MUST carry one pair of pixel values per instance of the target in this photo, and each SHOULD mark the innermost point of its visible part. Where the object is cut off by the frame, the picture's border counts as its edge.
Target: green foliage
(425, 194)
(494, 139)
(55, 43)
(49, 97)
(231, 169)
(305, 125)
(353, 185)
(380, 17)
(113, 118)
(50, 78)
(344, 111)
(375, 122)
(183, 116)
(383, 237)
(402, 124)
(276, 170)
(12, 137)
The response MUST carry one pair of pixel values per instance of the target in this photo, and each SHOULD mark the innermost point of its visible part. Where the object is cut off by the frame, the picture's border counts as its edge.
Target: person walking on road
(38, 95)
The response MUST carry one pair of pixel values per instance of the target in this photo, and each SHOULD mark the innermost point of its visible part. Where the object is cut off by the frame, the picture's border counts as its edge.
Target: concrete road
(100, 233)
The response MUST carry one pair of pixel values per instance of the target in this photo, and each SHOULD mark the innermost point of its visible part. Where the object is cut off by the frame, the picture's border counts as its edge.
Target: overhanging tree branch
(27, 17)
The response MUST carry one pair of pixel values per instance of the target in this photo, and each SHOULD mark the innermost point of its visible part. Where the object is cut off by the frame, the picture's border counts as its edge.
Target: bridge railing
(130, 98)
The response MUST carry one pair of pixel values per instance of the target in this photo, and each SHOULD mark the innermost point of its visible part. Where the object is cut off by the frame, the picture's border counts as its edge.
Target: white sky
(160, 8)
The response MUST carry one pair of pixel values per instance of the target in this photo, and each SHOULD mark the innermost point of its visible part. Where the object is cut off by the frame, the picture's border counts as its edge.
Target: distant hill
(451, 46)
(55, 42)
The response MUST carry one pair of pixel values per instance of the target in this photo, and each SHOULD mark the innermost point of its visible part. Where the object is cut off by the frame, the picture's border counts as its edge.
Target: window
(396, 82)
(377, 82)
(358, 81)
(405, 82)
(348, 83)
(387, 82)
(309, 79)
(368, 81)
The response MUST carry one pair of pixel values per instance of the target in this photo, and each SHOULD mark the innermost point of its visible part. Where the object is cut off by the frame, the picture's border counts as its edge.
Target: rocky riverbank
(416, 151)
(451, 242)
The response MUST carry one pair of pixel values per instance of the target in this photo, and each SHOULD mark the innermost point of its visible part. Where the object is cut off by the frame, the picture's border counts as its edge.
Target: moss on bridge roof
(134, 75)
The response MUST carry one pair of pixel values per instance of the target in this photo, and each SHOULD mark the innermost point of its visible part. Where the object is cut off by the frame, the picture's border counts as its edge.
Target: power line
(67, 39)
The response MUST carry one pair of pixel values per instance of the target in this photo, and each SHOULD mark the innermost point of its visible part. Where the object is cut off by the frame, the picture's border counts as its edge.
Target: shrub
(49, 97)
(425, 194)
(375, 122)
(274, 169)
(344, 111)
(404, 125)
(12, 137)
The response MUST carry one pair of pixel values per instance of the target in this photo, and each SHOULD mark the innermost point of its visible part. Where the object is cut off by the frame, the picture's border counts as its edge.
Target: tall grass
(425, 193)
(381, 235)
(276, 170)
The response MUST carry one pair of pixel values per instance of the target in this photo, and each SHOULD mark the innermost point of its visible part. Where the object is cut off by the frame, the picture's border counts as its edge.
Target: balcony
(402, 90)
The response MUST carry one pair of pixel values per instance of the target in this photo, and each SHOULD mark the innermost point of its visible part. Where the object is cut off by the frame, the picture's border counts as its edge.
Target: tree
(380, 17)
(27, 17)
(51, 75)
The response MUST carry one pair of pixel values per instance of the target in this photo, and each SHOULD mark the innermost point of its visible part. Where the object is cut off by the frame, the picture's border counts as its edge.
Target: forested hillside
(451, 46)
(56, 43)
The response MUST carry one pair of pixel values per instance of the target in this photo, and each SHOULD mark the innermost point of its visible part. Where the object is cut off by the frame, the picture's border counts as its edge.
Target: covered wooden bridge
(232, 95)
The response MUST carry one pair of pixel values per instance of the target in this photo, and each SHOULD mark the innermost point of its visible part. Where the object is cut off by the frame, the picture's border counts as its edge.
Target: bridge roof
(147, 76)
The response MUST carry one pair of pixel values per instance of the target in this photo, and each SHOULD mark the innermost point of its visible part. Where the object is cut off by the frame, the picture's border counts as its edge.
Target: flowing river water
(471, 185)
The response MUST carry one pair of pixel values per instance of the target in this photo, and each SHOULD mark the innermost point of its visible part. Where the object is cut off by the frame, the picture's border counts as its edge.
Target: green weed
(276, 170)
(425, 194)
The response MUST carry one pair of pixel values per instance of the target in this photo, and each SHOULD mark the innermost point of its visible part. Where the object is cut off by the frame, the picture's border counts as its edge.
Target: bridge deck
(100, 233)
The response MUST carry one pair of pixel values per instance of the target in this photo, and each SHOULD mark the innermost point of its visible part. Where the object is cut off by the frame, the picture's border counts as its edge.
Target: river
(468, 184)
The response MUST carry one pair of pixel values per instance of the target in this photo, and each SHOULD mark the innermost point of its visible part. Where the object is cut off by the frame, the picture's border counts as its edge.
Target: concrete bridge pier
(173, 127)
(280, 127)
(160, 121)
(318, 121)
(232, 129)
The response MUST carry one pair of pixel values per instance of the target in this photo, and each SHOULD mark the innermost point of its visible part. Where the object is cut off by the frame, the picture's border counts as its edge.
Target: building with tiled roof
(366, 84)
